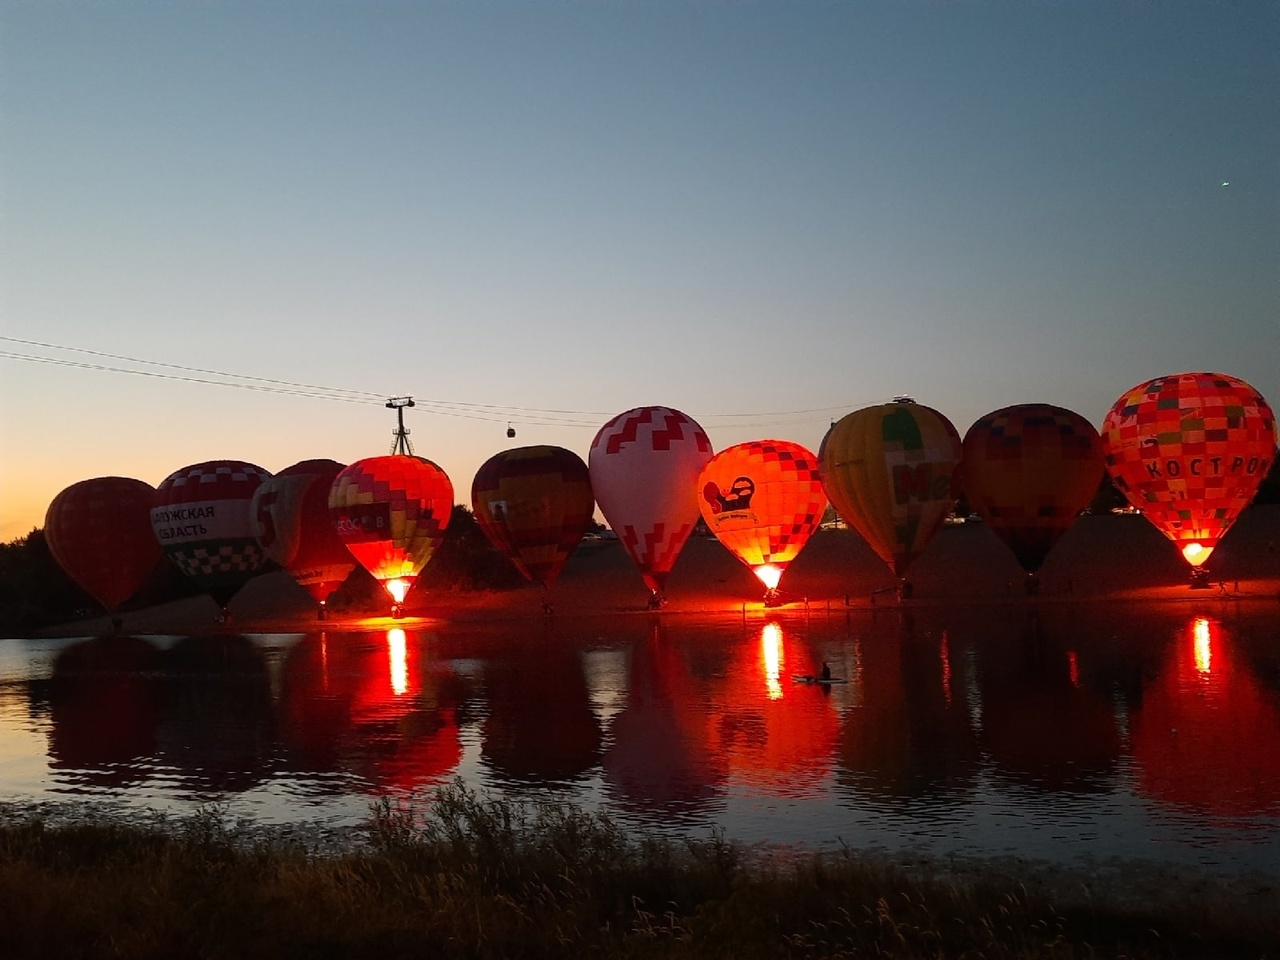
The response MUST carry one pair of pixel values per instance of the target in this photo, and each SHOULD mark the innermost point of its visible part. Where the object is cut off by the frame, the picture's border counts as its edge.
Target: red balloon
(290, 515)
(391, 512)
(1189, 450)
(99, 531)
(1028, 470)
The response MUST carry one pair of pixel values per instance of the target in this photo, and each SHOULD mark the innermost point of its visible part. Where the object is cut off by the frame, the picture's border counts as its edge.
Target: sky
(765, 214)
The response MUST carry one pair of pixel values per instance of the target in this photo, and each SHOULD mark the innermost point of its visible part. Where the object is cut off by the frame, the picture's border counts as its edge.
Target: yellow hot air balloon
(763, 500)
(890, 472)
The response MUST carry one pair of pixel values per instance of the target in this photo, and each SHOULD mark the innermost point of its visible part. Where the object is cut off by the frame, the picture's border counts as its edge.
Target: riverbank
(465, 876)
(1101, 559)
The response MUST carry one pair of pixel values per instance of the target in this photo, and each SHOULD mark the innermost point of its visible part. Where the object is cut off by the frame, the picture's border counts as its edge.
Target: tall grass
(461, 875)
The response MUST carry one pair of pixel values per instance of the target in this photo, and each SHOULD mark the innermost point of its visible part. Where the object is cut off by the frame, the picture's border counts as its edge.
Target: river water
(1059, 733)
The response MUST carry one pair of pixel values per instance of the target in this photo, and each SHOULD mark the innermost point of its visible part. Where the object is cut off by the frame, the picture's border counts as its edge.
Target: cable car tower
(401, 443)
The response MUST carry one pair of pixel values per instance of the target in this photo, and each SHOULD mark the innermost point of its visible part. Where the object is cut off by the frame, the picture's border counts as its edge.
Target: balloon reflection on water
(374, 706)
(1207, 736)
(540, 726)
(659, 758)
(104, 708)
(1145, 728)
(1041, 726)
(776, 736)
(907, 735)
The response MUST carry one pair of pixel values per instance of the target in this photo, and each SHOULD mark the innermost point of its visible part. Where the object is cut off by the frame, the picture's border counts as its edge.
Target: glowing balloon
(200, 515)
(1028, 471)
(890, 471)
(391, 512)
(644, 465)
(99, 531)
(1189, 451)
(763, 500)
(290, 516)
(534, 504)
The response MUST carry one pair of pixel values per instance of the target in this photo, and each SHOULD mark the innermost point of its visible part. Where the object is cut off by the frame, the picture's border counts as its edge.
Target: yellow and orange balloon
(763, 500)
(889, 470)
(391, 512)
(1189, 450)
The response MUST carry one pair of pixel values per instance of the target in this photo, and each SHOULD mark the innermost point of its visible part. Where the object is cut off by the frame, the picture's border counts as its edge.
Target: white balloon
(644, 467)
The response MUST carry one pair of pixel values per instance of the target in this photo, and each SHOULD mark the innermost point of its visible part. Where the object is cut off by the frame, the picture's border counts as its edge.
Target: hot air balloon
(534, 504)
(391, 512)
(1189, 451)
(644, 465)
(99, 531)
(763, 500)
(890, 471)
(1028, 471)
(200, 515)
(290, 517)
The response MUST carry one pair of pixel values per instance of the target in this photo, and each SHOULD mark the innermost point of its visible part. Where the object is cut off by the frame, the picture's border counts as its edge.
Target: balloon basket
(773, 599)
(1200, 579)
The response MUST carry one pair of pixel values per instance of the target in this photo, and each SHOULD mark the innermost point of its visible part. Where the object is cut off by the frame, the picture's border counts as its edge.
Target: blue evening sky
(561, 210)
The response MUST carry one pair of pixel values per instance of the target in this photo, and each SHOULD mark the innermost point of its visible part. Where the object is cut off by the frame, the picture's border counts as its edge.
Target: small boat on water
(810, 678)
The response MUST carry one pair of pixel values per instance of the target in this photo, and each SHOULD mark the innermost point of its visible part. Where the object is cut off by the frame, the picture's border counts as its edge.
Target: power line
(364, 395)
(486, 412)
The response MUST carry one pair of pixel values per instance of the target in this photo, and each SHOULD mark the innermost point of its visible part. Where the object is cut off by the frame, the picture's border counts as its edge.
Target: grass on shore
(467, 876)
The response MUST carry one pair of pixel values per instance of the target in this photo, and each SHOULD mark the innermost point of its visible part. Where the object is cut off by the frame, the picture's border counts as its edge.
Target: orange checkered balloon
(763, 500)
(1189, 450)
(534, 504)
(391, 512)
(1029, 470)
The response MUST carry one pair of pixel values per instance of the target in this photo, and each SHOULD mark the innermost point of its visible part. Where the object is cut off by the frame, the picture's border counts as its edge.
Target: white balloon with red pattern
(644, 467)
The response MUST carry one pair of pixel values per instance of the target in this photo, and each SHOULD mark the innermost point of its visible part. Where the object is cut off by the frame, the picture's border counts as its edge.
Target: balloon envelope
(391, 512)
(1028, 470)
(763, 500)
(200, 515)
(290, 517)
(644, 465)
(890, 470)
(99, 532)
(534, 504)
(1189, 450)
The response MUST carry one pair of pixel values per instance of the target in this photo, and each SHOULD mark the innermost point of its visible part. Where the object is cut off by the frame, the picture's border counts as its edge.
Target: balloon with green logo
(890, 470)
